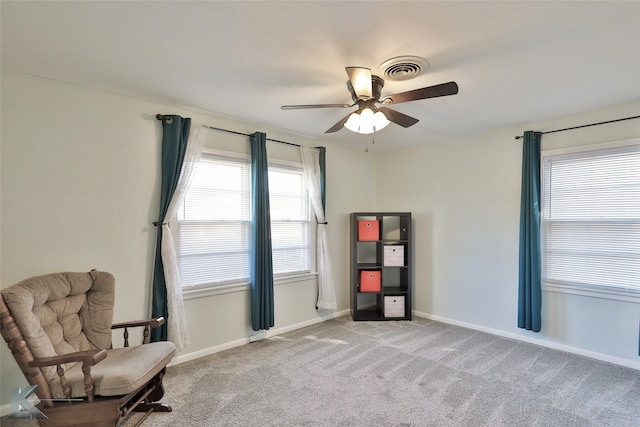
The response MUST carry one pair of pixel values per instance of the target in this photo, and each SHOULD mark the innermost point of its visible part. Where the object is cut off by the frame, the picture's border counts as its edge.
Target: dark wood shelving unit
(381, 271)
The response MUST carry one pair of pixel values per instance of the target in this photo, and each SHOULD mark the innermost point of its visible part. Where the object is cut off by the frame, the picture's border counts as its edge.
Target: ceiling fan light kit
(366, 121)
(366, 90)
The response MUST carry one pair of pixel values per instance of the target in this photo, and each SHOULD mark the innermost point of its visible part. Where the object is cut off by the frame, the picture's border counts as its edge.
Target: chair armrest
(153, 323)
(88, 357)
(148, 325)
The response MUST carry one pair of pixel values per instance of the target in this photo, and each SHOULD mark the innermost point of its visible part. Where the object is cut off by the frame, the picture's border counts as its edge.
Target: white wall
(465, 198)
(80, 184)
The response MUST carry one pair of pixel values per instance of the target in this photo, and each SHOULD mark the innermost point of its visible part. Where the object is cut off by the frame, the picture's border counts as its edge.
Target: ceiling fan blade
(300, 107)
(443, 89)
(360, 79)
(339, 125)
(398, 118)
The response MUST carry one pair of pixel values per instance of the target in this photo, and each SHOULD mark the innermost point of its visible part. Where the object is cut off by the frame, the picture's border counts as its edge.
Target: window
(214, 222)
(290, 228)
(591, 220)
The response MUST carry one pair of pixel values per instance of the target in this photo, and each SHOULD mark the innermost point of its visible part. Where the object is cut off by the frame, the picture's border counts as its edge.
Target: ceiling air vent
(403, 67)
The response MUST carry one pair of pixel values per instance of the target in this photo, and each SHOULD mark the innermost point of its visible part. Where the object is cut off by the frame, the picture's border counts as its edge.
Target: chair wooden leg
(155, 407)
(158, 392)
(95, 414)
(149, 409)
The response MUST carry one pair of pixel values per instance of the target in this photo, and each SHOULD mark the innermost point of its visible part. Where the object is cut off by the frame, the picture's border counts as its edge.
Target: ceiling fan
(366, 90)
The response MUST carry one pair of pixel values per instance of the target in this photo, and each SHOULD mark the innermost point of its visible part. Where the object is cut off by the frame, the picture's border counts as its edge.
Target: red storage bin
(368, 230)
(370, 281)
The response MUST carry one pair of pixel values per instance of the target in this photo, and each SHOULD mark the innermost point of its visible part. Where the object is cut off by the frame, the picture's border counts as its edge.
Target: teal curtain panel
(175, 134)
(530, 287)
(261, 263)
(323, 176)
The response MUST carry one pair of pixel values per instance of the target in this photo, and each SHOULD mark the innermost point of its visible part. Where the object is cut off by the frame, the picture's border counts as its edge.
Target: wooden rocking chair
(58, 327)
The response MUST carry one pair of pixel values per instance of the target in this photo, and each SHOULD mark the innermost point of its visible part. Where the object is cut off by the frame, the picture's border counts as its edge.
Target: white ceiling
(515, 62)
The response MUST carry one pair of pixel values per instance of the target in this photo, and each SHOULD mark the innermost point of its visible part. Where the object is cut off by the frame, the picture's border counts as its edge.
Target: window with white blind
(591, 220)
(214, 222)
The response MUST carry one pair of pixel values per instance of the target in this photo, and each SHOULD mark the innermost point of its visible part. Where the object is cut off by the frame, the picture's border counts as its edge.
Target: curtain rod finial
(163, 118)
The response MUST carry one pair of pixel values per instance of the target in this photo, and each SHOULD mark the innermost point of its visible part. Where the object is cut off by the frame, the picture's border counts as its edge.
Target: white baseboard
(256, 337)
(533, 340)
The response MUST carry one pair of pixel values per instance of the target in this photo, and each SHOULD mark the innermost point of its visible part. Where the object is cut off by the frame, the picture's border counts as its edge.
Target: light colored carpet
(417, 373)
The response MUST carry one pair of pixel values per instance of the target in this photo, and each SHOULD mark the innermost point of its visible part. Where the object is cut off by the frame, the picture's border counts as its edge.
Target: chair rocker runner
(58, 327)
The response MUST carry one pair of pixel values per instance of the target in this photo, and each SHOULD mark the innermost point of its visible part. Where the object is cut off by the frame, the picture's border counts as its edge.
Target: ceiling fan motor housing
(376, 89)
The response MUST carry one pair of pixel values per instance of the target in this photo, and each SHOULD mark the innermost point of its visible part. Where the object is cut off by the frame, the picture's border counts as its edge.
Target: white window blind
(290, 215)
(591, 218)
(214, 222)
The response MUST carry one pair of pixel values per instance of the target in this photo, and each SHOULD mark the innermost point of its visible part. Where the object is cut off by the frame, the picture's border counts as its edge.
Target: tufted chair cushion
(63, 313)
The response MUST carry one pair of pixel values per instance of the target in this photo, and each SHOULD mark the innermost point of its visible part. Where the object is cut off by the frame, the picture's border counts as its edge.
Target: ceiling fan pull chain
(373, 136)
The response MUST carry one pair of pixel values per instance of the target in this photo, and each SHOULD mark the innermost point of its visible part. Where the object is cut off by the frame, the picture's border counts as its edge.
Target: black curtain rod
(162, 117)
(585, 126)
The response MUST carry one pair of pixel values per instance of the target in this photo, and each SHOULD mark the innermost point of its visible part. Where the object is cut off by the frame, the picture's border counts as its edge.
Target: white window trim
(209, 289)
(595, 291)
(590, 147)
(616, 293)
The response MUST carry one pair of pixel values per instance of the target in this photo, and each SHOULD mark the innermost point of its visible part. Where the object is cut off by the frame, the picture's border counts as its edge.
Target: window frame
(618, 293)
(209, 289)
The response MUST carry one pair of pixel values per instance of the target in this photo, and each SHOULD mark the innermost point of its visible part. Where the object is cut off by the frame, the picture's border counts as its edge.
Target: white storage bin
(394, 306)
(394, 255)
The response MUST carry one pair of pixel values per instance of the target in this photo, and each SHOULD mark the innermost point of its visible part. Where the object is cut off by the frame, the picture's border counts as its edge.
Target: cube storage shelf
(381, 278)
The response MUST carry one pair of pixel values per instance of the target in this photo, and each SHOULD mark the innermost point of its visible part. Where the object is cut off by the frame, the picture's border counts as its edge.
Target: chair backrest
(62, 313)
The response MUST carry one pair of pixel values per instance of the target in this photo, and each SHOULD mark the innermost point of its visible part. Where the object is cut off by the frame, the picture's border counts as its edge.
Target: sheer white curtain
(177, 330)
(326, 286)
